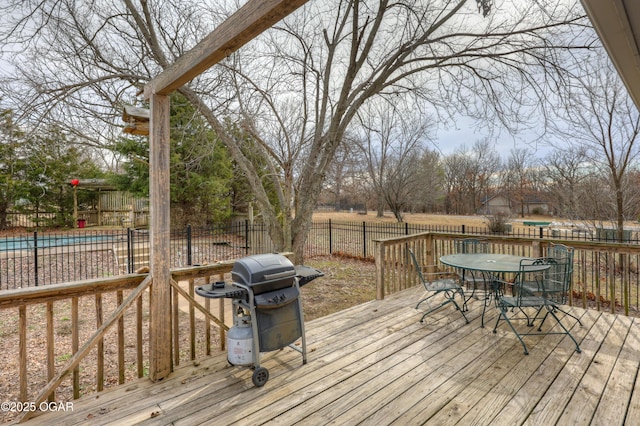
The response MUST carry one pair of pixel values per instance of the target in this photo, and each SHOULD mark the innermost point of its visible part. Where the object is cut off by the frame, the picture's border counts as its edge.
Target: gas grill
(267, 309)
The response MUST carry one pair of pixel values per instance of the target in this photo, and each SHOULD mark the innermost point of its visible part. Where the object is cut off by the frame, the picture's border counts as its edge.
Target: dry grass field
(424, 218)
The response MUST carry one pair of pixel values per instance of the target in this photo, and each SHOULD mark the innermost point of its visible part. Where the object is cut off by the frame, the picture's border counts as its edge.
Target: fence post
(406, 228)
(246, 237)
(129, 251)
(189, 259)
(364, 239)
(35, 256)
(330, 239)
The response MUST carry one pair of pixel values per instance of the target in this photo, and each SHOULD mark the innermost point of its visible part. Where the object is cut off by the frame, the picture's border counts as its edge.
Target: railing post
(463, 229)
(541, 232)
(35, 256)
(536, 249)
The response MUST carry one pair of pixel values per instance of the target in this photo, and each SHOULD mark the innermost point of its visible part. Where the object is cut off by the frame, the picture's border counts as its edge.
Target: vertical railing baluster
(51, 362)
(75, 345)
(121, 362)
(22, 312)
(100, 345)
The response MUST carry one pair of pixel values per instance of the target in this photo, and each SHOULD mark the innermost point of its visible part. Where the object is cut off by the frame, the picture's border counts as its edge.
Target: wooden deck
(375, 364)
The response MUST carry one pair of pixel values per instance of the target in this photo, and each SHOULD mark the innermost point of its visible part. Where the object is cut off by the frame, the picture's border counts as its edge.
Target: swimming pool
(48, 241)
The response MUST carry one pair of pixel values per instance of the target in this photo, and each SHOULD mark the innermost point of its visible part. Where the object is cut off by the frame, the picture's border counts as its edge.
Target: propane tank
(240, 341)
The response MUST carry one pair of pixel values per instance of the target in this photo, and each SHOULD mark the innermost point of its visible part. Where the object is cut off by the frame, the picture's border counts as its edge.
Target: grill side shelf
(306, 274)
(214, 291)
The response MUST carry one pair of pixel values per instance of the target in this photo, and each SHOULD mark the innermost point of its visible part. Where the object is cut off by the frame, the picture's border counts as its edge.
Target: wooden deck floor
(375, 364)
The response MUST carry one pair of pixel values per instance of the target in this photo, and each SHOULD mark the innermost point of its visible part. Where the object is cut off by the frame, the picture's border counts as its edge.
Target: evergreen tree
(201, 169)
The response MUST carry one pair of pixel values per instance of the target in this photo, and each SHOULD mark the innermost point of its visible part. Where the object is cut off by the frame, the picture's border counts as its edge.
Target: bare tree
(469, 174)
(391, 143)
(601, 117)
(429, 194)
(401, 183)
(455, 168)
(567, 170)
(342, 184)
(520, 178)
(293, 93)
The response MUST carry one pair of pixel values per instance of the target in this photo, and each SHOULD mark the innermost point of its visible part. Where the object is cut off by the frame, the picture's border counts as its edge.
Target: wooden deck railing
(111, 317)
(606, 275)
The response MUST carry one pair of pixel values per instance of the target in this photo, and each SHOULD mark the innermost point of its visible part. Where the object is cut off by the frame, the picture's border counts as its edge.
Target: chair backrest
(563, 254)
(471, 245)
(416, 265)
(550, 283)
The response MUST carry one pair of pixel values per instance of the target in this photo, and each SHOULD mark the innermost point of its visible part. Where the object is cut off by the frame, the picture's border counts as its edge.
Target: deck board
(377, 364)
(621, 381)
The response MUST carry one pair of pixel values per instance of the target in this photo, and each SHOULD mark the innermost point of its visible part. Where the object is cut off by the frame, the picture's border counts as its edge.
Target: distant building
(502, 204)
(497, 204)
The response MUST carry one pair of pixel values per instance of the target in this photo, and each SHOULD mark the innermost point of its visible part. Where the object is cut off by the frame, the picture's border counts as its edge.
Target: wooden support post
(160, 301)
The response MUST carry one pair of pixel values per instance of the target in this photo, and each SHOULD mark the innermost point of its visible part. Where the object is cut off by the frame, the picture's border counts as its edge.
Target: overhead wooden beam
(617, 23)
(241, 27)
(137, 120)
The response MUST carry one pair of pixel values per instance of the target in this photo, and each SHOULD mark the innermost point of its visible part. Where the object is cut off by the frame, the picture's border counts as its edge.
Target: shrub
(499, 223)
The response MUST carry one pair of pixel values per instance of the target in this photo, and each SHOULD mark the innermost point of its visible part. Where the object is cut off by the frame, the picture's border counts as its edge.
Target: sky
(465, 133)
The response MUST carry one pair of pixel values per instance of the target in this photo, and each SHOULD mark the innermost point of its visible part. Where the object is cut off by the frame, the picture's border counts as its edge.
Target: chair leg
(461, 310)
(425, 299)
(503, 314)
(561, 310)
(447, 301)
(553, 314)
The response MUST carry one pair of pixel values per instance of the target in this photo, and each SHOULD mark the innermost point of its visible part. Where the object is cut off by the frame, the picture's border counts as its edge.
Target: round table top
(489, 262)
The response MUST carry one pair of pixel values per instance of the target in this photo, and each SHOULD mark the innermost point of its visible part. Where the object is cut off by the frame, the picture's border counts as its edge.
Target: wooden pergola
(248, 22)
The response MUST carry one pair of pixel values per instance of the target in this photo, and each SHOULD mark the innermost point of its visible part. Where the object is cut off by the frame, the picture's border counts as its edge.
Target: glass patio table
(492, 266)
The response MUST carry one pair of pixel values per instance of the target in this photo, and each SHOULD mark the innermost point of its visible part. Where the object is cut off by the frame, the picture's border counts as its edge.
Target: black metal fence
(41, 258)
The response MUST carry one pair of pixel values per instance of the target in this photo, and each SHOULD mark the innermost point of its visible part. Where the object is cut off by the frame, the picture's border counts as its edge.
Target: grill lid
(264, 272)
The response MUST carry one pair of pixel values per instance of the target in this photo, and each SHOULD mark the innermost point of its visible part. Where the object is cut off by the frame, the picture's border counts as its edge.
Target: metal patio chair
(558, 282)
(534, 290)
(439, 283)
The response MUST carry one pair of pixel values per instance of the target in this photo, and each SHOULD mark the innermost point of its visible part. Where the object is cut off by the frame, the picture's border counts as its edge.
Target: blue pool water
(46, 241)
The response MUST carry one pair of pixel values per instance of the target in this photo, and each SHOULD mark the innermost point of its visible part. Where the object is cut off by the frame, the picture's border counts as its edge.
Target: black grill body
(268, 287)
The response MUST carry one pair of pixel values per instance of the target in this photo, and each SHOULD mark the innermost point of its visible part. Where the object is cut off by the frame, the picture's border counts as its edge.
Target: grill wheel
(260, 376)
